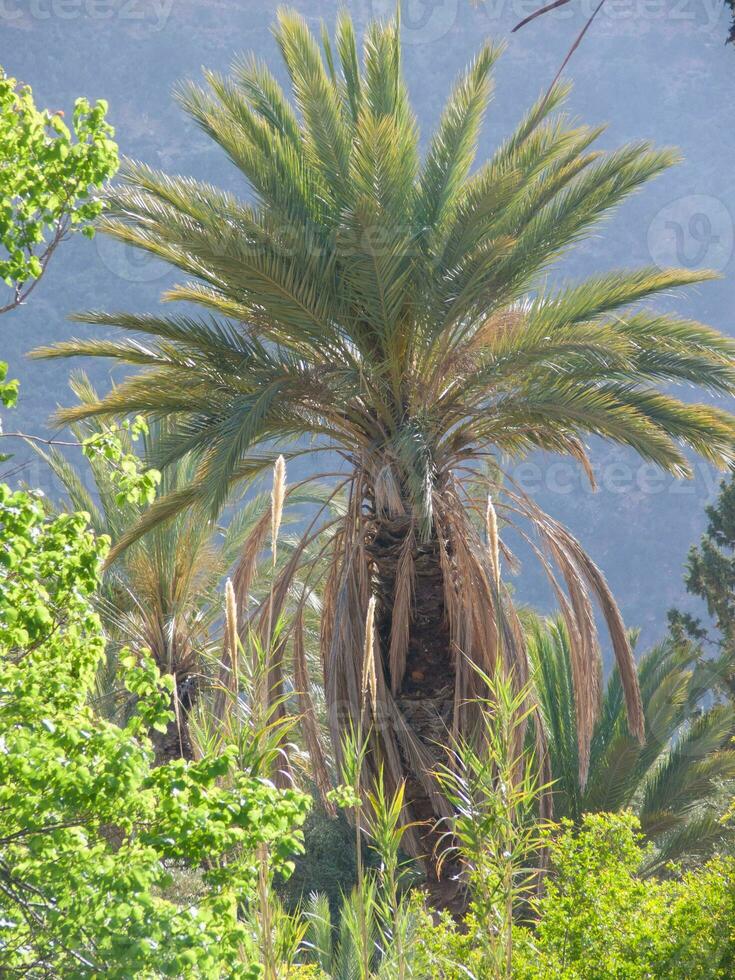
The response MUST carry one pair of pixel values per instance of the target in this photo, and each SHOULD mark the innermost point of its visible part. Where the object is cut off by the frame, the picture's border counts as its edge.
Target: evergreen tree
(710, 575)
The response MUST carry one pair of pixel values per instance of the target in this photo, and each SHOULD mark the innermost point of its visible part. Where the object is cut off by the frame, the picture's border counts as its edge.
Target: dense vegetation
(191, 660)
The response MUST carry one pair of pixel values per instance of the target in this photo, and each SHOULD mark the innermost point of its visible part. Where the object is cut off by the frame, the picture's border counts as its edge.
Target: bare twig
(577, 41)
(44, 442)
(537, 13)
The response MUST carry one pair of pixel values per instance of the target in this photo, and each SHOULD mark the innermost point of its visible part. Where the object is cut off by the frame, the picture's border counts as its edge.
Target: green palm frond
(672, 780)
(319, 940)
(352, 250)
(697, 837)
(161, 593)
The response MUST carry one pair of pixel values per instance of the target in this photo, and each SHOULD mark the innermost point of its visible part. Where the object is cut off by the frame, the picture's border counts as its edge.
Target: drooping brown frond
(620, 643)
(248, 561)
(401, 613)
(309, 723)
(595, 580)
(584, 580)
(342, 673)
(586, 658)
(583, 650)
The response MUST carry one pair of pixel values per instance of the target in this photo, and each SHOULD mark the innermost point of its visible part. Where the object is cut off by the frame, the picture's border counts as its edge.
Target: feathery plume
(369, 678)
(491, 522)
(278, 495)
(231, 634)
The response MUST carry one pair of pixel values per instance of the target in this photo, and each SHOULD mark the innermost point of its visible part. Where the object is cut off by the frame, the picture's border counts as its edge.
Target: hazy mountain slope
(662, 73)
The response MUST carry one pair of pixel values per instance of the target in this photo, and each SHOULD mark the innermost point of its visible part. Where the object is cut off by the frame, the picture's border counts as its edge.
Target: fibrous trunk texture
(409, 586)
(444, 624)
(175, 742)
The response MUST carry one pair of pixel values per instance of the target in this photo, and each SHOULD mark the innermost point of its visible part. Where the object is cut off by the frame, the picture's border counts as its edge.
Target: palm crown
(161, 595)
(393, 308)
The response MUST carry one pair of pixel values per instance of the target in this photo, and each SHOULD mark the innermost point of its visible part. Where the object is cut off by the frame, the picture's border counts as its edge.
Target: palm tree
(392, 308)
(162, 593)
(674, 779)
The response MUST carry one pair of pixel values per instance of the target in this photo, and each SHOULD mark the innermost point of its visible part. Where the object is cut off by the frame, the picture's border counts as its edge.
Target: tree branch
(62, 227)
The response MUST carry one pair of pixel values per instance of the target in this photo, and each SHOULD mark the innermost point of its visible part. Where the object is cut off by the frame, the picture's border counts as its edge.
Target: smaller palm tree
(162, 593)
(674, 778)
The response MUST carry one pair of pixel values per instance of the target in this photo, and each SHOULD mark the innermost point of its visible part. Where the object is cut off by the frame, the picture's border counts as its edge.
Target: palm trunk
(425, 692)
(175, 742)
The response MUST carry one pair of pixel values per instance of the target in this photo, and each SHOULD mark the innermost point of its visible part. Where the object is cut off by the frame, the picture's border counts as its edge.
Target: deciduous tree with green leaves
(50, 174)
(89, 831)
(8, 396)
(600, 919)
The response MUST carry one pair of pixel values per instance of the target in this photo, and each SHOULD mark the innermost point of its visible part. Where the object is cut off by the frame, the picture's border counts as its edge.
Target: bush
(599, 920)
(87, 827)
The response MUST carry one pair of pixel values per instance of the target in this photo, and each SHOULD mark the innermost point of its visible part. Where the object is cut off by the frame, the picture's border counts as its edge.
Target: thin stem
(21, 295)
(577, 41)
(44, 442)
(266, 926)
(364, 957)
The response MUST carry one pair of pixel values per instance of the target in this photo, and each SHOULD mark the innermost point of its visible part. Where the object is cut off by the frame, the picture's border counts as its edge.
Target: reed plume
(231, 635)
(278, 495)
(369, 684)
(491, 523)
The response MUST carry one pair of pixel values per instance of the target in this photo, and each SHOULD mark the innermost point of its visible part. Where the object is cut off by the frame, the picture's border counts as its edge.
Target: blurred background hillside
(655, 69)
